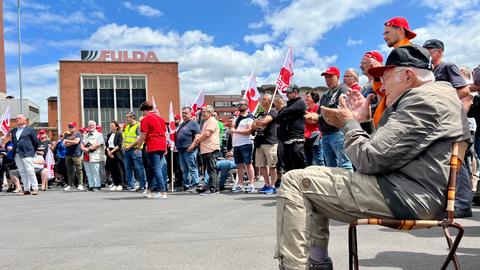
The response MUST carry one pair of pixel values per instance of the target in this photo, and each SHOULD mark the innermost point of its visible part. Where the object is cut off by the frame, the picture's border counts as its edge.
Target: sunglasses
(241, 104)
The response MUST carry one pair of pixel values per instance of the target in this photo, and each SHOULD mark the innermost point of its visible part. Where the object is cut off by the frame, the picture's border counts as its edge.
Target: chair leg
(452, 256)
(352, 246)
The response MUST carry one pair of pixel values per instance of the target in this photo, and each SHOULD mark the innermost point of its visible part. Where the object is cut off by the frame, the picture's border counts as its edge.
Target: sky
(218, 43)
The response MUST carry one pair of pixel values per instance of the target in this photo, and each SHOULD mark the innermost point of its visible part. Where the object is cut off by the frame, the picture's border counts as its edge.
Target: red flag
(252, 94)
(198, 102)
(5, 122)
(171, 126)
(286, 73)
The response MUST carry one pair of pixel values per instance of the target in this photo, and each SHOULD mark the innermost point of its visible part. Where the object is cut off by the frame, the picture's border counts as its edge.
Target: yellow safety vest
(130, 134)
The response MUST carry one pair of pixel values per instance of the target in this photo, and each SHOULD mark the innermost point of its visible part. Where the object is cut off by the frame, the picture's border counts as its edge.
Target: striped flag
(5, 122)
(171, 126)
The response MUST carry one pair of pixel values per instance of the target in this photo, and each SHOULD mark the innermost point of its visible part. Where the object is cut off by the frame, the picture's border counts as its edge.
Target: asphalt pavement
(124, 230)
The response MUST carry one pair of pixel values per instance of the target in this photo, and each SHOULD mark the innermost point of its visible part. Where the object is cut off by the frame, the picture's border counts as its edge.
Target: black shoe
(10, 189)
(325, 265)
(201, 189)
(463, 213)
(186, 188)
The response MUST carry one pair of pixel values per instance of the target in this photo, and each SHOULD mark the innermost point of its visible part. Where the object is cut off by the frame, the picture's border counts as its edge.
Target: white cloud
(258, 39)
(11, 48)
(256, 25)
(143, 9)
(38, 83)
(263, 4)
(352, 42)
(460, 34)
(304, 22)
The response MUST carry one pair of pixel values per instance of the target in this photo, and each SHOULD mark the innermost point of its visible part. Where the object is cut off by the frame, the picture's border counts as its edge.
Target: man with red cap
(332, 140)
(73, 157)
(370, 59)
(396, 33)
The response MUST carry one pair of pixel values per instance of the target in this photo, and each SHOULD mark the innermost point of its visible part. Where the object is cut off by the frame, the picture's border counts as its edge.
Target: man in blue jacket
(25, 145)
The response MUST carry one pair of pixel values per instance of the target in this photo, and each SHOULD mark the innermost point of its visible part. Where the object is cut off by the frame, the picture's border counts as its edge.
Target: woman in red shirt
(313, 137)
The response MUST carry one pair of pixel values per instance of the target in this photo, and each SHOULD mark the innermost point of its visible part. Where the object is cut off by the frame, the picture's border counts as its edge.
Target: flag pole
(171, 169)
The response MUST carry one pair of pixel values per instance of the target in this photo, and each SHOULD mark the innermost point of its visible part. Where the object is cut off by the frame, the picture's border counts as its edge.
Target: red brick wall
(52, 113)
(162, 83)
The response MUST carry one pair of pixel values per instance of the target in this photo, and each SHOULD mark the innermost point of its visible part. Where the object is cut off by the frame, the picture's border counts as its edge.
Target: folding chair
(458, 153)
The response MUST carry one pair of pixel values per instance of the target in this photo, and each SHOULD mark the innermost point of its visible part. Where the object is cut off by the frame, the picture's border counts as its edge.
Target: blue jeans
(188, 164)
(314, 154)
(157, 166)
(224, 166)
(334, 152)
(134, 162)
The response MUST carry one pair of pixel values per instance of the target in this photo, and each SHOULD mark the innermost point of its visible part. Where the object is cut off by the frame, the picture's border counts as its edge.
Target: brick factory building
(105, 85)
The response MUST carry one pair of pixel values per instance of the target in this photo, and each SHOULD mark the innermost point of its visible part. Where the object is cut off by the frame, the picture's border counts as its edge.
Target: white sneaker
(146, 193)
(237, 188)
(250, 188)
(67, 188)
(112, 188)
(119, 188)
(80, 187)
(17, 190)
(111, 185)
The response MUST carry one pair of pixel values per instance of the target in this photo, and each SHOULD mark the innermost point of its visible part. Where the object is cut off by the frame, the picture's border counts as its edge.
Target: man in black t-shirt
(446, 71)
(291, 130)
(73, 157)
(449, 72)
(266, 144)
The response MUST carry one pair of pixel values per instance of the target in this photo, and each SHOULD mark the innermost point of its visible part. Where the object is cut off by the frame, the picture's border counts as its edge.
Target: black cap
(292, 88)
(405, 56)
(433, 44)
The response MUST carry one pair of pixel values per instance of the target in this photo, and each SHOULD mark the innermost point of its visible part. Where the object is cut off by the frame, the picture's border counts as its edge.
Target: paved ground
(122, 230)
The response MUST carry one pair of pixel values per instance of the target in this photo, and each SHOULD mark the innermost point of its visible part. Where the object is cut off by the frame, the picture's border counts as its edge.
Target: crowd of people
(378, 150)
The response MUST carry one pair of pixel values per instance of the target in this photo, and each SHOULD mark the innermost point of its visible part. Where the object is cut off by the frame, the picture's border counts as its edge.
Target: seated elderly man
(402, 167)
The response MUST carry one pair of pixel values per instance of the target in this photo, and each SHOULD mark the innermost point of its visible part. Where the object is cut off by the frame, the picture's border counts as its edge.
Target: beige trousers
(309, 197)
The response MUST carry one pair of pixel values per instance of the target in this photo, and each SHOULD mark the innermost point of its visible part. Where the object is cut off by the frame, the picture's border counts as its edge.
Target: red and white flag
(252, 94)
(286, 74)
(50, 162)
(154, 105)
(171, 126)
(5, 122)
(198, 102)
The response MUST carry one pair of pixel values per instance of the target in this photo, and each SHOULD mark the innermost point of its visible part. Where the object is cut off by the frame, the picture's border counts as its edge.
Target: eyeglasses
(241, 104)
(70, 126)
(383, 77)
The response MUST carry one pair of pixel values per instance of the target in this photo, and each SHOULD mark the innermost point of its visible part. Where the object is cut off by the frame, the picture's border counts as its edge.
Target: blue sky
(218, 43)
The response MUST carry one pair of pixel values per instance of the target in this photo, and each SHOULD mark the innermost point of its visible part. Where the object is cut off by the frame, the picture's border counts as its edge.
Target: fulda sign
(119, 56)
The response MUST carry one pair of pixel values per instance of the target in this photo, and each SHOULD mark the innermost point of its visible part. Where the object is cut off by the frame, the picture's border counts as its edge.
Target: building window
(33, 109)
(118, 95)
(222, 104)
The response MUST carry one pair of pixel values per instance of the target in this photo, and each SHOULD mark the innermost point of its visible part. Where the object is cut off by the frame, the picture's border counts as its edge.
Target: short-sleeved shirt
(154, 127)
(74, 150)
(311, 128)
(449, 72)
(268, 135)
(212, 142)
(186, 133)
(240, 139)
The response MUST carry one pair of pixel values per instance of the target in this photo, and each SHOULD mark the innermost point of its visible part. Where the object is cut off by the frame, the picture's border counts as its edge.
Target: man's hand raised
(337, 117)
(360, 106)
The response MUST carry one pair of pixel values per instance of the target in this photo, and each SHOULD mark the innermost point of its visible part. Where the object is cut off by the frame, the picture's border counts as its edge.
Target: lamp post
(19, 58)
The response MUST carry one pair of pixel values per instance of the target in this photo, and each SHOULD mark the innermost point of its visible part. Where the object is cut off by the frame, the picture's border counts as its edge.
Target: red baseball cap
(72, 124)
(332, 71)
(177, 117)
(401, 22)
(42, 131)
(375, 55)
